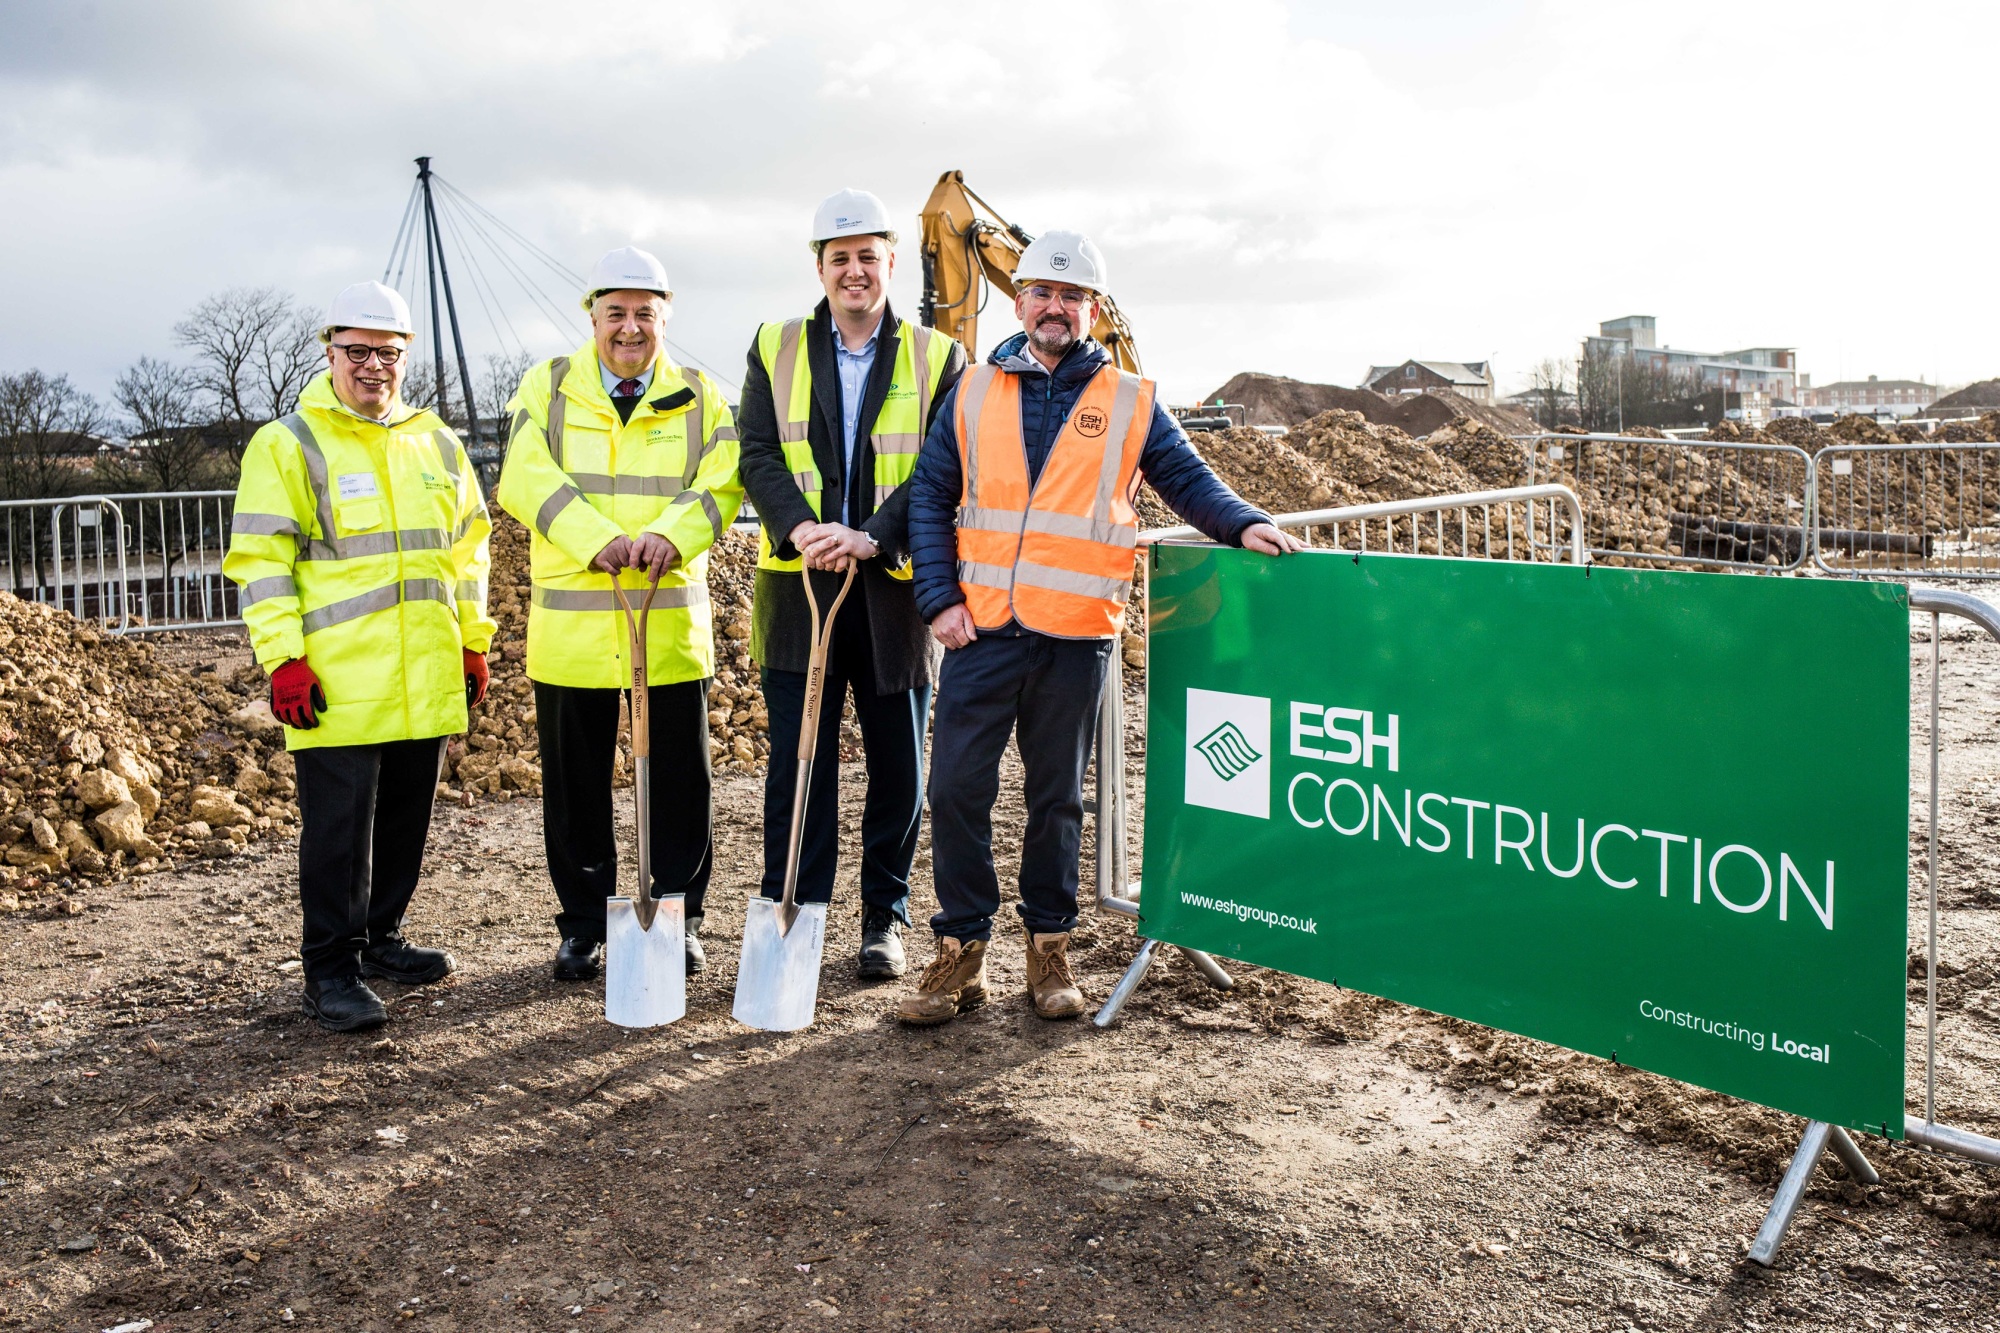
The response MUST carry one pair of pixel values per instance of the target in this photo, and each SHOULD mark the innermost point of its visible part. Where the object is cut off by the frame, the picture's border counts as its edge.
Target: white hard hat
(850, 213)
(627, 268)
(1063, 256)
(368, 305)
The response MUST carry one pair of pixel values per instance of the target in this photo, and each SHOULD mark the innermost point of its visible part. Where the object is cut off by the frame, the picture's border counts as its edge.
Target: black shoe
(343, 1004)
(579, 959)
(396, 960)
(696, 955)
(881, 946)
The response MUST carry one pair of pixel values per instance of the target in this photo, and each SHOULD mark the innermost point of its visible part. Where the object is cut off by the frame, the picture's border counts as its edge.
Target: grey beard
(1053, 339)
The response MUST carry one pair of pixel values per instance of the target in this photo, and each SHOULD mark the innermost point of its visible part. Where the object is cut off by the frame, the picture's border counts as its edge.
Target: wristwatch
(871, 539)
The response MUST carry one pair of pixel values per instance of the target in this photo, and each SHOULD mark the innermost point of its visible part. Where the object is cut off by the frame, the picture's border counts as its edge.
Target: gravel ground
(176, 1144)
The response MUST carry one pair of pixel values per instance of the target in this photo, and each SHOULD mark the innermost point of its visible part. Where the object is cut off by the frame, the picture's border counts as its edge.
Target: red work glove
(475, 678)
(296, 696)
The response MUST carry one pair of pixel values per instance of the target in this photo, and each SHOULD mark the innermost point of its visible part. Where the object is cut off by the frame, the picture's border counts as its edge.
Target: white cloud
(1302, 189)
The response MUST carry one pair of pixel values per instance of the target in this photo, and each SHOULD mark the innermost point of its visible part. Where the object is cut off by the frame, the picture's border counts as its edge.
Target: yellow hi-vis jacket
(922, 355)
(361, 546)
(579, 478)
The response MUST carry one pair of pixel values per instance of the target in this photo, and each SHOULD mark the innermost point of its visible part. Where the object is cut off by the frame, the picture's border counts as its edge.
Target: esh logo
(1227, 752)
(1090, 422)
(1059, 261)
(1228, 762)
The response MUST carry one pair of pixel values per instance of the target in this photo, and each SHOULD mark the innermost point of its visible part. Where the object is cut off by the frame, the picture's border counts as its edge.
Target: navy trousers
(892, 814)
(1044, 692)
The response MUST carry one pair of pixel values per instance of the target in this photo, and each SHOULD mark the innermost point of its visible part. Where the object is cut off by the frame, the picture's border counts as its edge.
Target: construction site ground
(178, 1145)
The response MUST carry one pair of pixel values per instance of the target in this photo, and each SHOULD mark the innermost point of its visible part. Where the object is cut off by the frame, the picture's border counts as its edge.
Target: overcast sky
(1302, 189)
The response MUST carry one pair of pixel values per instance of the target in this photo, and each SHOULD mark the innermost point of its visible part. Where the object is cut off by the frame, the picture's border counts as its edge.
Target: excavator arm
(970, 250)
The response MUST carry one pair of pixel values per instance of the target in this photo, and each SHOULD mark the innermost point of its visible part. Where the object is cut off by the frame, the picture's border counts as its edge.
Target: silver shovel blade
(645, 971)
(777, 981)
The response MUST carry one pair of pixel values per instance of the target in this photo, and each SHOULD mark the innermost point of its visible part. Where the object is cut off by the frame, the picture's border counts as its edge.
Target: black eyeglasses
(358, 353)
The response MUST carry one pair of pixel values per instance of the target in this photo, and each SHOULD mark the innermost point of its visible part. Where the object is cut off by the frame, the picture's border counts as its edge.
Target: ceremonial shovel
(777, 981)
(645, 941)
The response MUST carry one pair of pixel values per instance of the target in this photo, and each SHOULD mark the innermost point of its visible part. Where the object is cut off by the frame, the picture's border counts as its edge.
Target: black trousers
(892, 814)
(578, 732)
(365, 814)
(1045, 693)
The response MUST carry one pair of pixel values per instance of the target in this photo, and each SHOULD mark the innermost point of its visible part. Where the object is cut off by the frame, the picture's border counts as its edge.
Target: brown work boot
(1051, 985)
(953, 984)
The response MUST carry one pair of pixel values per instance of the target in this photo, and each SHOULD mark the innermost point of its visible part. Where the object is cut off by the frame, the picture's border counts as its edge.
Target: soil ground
(178, 1145)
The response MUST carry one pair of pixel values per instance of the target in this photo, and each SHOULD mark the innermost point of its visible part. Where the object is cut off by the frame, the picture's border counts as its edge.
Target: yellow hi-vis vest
(898, 433)
(361, 546)
(578, 478)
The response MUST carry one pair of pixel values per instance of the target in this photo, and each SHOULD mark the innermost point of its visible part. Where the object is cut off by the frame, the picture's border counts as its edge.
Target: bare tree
(255, 350)
(1549, 382)
(50, 432)
(172, 450)
(1615, 392)
(503, 376)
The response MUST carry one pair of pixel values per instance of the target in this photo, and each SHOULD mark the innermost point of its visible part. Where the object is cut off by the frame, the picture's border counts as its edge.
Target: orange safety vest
(1056, 556)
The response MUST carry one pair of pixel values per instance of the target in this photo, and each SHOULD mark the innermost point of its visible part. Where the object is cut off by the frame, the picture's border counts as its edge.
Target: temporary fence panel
(1461, 784)
(1906, 510)
(1506, 512)
(134, 563)
(1704, 503)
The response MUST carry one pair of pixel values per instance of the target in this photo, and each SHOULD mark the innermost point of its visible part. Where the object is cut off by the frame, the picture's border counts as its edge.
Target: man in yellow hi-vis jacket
(619, 460)
(359, 542)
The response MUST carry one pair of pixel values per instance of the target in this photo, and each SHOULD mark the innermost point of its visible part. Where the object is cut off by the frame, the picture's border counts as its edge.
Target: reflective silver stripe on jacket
(898, 442)
(785, 371)
(697, 444)
(910, 442)
(447, 452)
(578, 599)
(263, 590)
(558, 372)
(708, 507)
(1123, 403)
(521, 419)
(808, 482)
(883, 491)
(246, 524)
(469, 590)
(597, 483)
(377, 543)
(1068, 580)
(377, 599)
(985, 575)
(315, 471)
(972, 399)
(1089, 529)
(990, 520)
(564, 497)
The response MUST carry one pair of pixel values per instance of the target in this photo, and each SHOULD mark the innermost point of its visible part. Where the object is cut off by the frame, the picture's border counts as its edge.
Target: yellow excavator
(968, 247)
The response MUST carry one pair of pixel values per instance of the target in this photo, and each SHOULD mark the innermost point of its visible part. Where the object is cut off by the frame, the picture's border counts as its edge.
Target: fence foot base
(1850, 1155)
(1210, 969)
(1141, 964)
(1792, 1189)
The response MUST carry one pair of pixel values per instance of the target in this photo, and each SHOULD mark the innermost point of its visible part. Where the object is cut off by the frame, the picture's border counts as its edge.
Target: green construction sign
(1660, 817)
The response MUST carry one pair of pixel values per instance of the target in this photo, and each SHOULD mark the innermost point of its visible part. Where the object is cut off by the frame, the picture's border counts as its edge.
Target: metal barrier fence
(1424, 521)
(1908, 510)
(134, 563)
(1706, 503)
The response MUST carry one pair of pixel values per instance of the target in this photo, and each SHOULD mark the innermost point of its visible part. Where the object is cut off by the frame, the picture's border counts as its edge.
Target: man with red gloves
(359, 542)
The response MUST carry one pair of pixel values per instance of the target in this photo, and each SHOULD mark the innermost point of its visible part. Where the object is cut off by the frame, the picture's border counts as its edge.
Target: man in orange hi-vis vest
(1022, 533)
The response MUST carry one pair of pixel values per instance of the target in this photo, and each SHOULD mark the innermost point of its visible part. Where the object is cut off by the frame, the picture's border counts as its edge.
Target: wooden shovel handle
(635, 638)
(822, 648)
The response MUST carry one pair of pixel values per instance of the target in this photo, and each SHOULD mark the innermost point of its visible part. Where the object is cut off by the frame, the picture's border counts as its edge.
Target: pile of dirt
(1274, 400)
(1269, 472)
(499, 756)
(1982, 393)
(1376, 462)
(112, 764)
(1497, 460)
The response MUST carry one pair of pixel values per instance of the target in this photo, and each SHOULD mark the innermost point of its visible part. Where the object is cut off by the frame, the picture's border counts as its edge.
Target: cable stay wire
(573, 278)
(481, 286)
(555, 311)
(399, 248)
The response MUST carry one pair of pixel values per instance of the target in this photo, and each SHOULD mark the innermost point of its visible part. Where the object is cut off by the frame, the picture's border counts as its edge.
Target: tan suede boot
(1051, 985)
(953, 984)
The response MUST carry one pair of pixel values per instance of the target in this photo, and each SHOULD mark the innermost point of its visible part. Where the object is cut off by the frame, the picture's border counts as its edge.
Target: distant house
(1871, 397)
(1471, 379)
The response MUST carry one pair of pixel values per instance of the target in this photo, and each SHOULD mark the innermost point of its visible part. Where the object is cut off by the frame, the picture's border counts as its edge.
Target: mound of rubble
(499, 757)
(1281, 402)
(112, 764)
